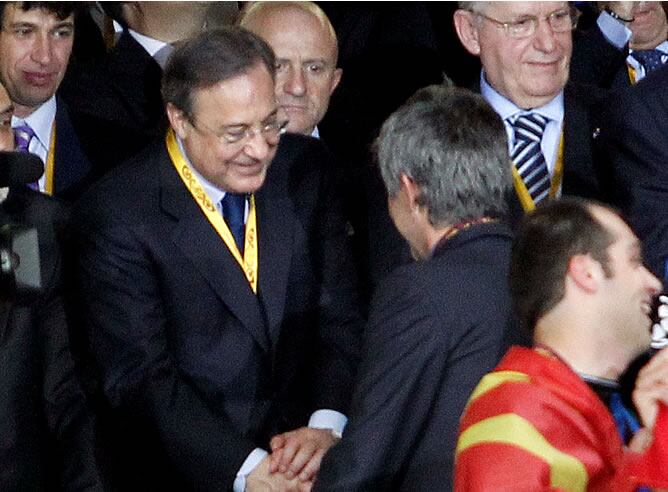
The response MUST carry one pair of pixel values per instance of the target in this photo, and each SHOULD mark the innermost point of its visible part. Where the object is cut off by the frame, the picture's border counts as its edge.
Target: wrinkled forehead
(513, 10)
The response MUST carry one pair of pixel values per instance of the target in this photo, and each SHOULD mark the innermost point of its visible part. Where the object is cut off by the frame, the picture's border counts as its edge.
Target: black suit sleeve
(414, 380)
(633, 142)
(127, 328)
(340, 323)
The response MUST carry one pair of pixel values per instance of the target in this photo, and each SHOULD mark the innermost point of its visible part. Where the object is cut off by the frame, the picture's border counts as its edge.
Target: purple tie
(22, 136)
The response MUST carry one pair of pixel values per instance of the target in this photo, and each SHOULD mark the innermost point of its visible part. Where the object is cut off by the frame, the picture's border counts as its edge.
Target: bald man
(306, 53)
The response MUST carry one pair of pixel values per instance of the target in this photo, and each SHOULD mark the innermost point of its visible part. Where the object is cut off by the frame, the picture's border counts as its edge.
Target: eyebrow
(273, 113)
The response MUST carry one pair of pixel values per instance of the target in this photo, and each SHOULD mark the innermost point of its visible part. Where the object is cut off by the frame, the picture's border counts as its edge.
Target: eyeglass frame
(573, 13)
(274, 130)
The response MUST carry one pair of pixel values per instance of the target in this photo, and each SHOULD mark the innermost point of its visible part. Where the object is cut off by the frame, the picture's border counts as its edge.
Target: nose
(296, 83)
(41, 49)
(544, 37)
(257, 146)
(654, 285)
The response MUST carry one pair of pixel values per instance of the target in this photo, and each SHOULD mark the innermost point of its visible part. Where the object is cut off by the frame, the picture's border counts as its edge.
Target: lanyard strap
(50, 162)
(249, 262)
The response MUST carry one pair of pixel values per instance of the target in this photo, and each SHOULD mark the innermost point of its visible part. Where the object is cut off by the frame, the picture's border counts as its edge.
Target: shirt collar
(506, 109)
(40, 121)
(315, 133)
(215, 193)
(151, 45)
(661, 47)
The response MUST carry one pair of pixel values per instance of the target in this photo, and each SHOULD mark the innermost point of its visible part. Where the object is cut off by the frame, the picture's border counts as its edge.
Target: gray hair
(453, 145)
(472, 6)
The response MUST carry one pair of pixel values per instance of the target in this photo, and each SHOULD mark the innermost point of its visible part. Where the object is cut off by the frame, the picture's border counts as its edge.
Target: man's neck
(24, 111)
(584, 353)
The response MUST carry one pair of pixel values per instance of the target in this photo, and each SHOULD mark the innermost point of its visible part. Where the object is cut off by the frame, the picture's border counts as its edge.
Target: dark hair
(454, 146)
(209, 58)
(62, 10)
(545, 242)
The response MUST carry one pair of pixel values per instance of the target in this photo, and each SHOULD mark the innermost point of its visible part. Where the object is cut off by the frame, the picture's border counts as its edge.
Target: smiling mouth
(38, 79)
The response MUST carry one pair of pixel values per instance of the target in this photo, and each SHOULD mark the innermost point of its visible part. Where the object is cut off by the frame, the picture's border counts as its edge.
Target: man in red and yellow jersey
(539, 421)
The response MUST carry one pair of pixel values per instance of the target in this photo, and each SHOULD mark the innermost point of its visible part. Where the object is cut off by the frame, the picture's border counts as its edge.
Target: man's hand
(298, 453)
(651, 388)
(262, 479)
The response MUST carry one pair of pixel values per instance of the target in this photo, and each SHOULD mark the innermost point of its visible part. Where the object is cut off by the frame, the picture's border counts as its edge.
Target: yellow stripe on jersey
(494, 379)
(566, 471)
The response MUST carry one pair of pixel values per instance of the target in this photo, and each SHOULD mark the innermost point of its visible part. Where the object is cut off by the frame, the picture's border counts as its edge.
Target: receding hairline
(256, 10)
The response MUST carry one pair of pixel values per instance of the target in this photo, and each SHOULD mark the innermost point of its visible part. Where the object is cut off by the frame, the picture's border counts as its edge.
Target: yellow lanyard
(248, 263)
(50, 162)
(521, 188)
(632, 74)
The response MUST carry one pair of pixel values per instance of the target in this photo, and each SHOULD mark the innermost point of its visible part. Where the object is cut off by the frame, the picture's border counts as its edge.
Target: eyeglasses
(271, 131)
(560, 21)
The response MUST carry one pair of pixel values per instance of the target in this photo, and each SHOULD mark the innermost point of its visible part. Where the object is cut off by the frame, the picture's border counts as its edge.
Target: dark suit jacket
(199, 370)
(633, 140)
(435, 328)
(123, 87)
(73, 169)
(116, 103)
(46, 431)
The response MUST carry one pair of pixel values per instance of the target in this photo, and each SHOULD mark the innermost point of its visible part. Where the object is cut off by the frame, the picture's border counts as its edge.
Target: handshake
(294, 461)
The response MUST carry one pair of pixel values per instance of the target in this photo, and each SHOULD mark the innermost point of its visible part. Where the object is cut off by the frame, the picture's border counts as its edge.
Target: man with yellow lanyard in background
(525, 50)
(35, 46)
(217, 284)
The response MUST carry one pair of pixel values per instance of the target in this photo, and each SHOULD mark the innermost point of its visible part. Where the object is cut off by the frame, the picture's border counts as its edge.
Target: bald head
(306, 51)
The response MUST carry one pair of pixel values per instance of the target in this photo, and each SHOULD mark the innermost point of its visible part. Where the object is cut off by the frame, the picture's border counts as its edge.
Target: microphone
(19, 168)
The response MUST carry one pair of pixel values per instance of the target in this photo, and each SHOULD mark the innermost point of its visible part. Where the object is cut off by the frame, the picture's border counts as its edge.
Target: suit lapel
(71, 166)
(200, 243)
(275, 231)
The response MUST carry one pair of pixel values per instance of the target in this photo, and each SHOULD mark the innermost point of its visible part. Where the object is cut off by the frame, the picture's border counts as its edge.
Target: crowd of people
(257, 274)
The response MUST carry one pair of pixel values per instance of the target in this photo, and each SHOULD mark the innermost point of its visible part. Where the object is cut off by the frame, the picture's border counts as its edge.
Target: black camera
(20, 274)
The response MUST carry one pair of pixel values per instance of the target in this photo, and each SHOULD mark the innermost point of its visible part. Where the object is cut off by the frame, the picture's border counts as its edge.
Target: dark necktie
(234, 208)
(528, 157)
(649, 59)
(22, 136)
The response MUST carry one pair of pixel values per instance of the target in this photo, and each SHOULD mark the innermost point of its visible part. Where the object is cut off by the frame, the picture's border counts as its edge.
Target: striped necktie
(22, 136)
(528, 157)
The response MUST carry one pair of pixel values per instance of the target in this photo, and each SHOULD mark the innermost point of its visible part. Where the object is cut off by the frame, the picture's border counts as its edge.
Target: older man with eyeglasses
(217, 286)
(525, 49)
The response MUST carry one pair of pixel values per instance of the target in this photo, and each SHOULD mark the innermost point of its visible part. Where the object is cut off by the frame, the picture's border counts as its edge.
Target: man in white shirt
(35, 47)
(525, 49)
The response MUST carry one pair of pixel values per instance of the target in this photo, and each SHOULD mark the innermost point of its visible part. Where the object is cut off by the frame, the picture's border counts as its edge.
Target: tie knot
(529, 126)
(233, 202)
(22, 136)
(649, 59)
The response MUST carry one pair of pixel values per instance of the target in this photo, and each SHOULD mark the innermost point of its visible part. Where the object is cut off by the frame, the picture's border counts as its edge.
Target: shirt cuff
(328, 419)
(614, 31)
(253, 459)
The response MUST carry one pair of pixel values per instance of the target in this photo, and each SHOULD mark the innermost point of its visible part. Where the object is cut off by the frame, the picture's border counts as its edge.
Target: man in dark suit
(217, 282)
(35, 46)
(121, 91)
(633, 139)
(46, 428)
(525, 49)
(436, 324)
